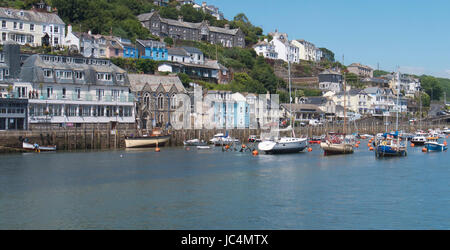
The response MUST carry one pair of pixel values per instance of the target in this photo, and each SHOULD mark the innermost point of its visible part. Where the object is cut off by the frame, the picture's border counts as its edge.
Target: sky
(413, 35)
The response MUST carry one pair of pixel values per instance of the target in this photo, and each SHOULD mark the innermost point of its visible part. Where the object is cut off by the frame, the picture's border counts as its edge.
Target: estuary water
(180, 189)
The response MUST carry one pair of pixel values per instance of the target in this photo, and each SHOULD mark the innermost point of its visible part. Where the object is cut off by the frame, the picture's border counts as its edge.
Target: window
(15, 25)
(56, 30)
(31, 27)
(64, 93)
(100, 94)
(79, 75)
(78, 93)
(21, 26)
(160, 101)
(48, 73)
(67, 74)
(56, 40)
(119, 77)
(173, 102)
(4, 24)
(49, 92)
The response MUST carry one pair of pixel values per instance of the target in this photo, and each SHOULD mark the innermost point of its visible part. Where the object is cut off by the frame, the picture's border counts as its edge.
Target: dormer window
(21, 13)
(120, 77)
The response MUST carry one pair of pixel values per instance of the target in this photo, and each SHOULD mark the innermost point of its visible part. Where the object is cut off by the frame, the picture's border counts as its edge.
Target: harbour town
(156, 117)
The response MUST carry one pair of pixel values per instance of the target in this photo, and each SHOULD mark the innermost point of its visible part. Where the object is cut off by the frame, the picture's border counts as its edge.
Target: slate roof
(177, 52)
(139, 81)
(31, 16)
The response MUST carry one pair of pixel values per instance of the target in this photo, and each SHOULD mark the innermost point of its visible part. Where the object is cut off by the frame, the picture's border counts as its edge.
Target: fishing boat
(156, 139)
(195, 142)
(37, 147)
(432, 145)
(284, 145)
(419, 139)
(390, 145)
(337, 144)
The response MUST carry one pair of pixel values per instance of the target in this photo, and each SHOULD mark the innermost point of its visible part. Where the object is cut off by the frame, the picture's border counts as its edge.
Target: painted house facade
(75, 91)
(155, 50)
(32, 27)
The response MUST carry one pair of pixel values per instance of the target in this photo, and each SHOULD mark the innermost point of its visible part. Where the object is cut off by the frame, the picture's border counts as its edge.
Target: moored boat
(337, 144)
(315, 140)
(284, 145)
(37, 147)
(432, 145)
(156, 139)
(195, 142)
(390, 145)
(419, 139)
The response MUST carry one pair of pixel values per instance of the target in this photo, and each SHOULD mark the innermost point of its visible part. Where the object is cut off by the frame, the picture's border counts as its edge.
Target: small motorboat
(254, 138)
(315, 140)
(203, 147)
(432, 145)
(37, 147)
(366, 136)
(223, 140)
(154, 140)
(446, 131)
(419, 139)
(195, 142)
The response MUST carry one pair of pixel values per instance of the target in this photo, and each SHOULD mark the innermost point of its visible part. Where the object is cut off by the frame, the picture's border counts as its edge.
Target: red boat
(315, 140)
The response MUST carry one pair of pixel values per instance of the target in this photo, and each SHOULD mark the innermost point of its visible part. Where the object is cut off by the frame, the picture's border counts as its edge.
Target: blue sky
(413, 34)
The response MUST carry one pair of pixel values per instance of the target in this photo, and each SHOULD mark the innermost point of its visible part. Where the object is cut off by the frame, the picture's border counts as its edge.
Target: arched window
(173, 101)
(147, 100)
(160, 101)
(161, 118)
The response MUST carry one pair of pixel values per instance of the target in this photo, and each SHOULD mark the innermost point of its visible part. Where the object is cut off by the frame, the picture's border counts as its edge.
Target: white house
(284, 49)
(32, 27)
(307, 50)
(69, 91)
(266, 49)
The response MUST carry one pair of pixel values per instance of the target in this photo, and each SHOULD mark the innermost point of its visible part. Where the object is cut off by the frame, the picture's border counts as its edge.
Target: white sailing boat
(284, 145)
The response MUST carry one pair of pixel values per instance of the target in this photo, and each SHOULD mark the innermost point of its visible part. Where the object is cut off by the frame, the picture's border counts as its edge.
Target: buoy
(424, 150)
(371, 148)
(157, 150)
(187, 149)
(358, 142)
(309, 149)
(368, 145)
(255, 152)
(227, 147)
(413, 145)
(445, 143)
(243, 146)
(357, 146)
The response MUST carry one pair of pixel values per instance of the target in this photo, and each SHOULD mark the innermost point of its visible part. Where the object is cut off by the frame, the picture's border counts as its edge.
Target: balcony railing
(76, 97)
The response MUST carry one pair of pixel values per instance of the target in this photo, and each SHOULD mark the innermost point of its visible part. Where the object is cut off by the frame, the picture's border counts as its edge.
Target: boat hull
(147, 142)
(282, 148)
(386, 151)
(335, 149)
(29, 146)
(435, 147)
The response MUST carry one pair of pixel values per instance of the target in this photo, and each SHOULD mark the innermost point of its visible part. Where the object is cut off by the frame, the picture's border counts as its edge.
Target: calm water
(177, 189)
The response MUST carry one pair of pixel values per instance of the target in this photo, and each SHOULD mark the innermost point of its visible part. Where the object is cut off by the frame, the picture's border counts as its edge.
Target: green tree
(168, 41)
(327, 54)
(432, 87)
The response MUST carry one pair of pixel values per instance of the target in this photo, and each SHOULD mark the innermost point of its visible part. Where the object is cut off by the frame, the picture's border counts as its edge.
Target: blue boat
(390, 145)
(432, 145)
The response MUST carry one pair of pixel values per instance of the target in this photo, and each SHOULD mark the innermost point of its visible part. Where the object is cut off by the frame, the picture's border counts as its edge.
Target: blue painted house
(149, 49)
(129, 49)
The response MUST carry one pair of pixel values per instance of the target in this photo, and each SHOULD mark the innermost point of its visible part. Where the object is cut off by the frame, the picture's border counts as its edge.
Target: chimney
(89, 32)
(227, 26)
(69, 29)
(180, 18)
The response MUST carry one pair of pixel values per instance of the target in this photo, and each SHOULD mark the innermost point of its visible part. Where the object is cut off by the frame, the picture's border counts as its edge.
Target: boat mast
(290, 83)
(398, 97)
(345, 105)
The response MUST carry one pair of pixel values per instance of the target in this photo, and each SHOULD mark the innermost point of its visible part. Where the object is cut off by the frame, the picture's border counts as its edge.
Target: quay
(104, 138)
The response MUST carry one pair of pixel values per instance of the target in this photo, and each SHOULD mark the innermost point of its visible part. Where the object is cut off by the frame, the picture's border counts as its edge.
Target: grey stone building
(178, 29)
(156, 99)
